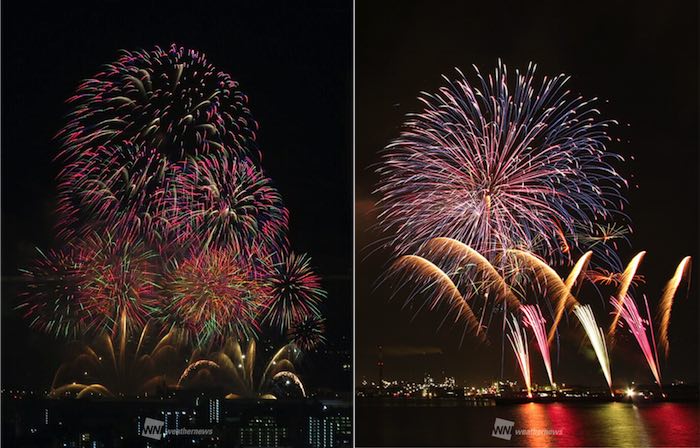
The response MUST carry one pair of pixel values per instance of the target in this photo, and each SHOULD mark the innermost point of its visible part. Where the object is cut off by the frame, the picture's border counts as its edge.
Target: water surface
(554, 424)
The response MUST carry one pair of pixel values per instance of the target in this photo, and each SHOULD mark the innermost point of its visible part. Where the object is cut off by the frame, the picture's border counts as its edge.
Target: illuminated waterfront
(387, 422)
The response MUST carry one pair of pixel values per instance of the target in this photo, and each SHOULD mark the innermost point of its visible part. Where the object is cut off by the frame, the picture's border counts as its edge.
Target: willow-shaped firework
(500, 165)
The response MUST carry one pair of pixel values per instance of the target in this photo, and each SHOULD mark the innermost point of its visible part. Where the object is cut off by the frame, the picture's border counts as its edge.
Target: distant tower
(380, 365)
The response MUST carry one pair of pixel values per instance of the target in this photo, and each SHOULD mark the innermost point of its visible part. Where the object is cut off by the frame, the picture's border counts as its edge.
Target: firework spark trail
(638, 327)
(578, 269)
(532, 317)
(518, 340)
(550, 280)
(607, 278)
(446, 287)
(627, 278)
(666, 302)
(597, 338)
(503, 291)
(499, 167)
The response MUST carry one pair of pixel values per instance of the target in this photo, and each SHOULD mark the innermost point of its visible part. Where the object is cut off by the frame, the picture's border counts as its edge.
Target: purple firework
(499, 165)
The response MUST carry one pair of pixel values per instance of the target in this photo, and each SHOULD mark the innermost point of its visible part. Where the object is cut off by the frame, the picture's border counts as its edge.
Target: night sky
(293, 62)
(641, 57)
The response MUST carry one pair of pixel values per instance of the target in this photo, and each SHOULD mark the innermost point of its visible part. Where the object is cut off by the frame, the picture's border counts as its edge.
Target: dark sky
(293, 61)
(641, 56)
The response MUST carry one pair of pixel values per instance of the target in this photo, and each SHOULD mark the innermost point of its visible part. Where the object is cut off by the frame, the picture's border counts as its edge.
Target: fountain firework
(597, 338)
(518, 340)
(532, 318)
(638, 327)
(666, 302)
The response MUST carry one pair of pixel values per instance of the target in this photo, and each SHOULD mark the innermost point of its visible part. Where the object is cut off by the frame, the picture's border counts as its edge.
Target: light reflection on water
(563, 425)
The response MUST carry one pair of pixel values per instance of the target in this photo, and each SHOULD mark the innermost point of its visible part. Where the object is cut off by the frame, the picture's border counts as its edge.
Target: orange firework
(445, 287)
(466, 253)
(666, 302)
(575, 273)
(627, 277)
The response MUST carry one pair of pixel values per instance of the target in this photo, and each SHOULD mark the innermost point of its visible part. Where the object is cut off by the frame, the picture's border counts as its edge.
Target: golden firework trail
(469, 254)
(666, 302)
(550, 279)
(578, 269)
(627, 277)
(447, 288)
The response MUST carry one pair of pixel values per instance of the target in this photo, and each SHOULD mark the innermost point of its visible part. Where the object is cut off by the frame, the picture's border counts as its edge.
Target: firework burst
(225, 202)
(121, 366)
(170, 99)
(120, 280)
(499, 166)
(216, 294)
(307, 333)
(232, 370)
(51, 300)
(117, 191)
(296, 291)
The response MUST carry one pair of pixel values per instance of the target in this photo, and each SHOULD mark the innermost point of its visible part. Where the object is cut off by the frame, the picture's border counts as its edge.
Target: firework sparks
(597, 338)
(532, 317)
(548, 279)
(466, 253)
(579, 267)
(50, 302)
(120, 192)
(442, 287)
(296, 291)
(638, 327)
(308, 332)
(499, 166)
(232, 370)
(171, 99)
(110, 366)
(121, 279)
(627, 277)
(609, 278)
(225, 202)
(666, 301)
(214, 295)
(518, 340)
